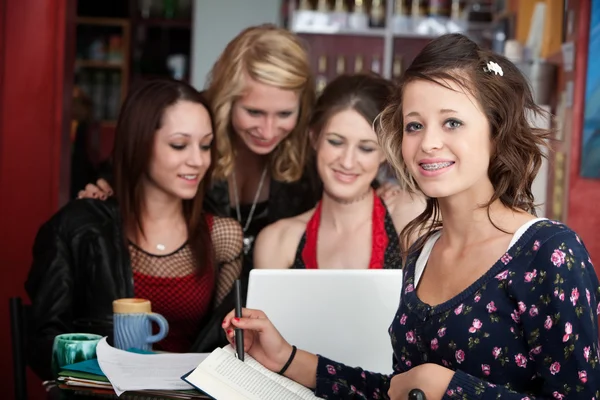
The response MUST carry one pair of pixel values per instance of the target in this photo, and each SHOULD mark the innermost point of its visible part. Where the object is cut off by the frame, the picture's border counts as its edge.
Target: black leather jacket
(80, 265)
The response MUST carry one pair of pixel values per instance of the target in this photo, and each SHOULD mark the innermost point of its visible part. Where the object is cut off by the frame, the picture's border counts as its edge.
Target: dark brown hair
(366, 94)
(507, 102)
(140, 117)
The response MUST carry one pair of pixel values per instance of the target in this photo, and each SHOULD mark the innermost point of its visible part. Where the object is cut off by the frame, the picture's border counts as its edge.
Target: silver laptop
(341, 314)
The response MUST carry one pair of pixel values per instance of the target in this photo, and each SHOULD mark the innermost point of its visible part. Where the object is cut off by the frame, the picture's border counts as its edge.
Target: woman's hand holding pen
(261, 339)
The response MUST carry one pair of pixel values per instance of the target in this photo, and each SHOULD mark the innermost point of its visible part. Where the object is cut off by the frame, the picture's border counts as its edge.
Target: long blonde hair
(275, 57)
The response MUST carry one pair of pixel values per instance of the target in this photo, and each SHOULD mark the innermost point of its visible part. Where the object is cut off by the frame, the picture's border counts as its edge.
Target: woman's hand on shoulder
(101, 190)
(388, 191)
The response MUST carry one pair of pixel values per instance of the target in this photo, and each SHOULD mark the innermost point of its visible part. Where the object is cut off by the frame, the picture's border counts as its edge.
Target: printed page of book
(223, 376)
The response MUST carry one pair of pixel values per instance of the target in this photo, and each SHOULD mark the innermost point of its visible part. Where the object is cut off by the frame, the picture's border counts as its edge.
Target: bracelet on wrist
(289, 361)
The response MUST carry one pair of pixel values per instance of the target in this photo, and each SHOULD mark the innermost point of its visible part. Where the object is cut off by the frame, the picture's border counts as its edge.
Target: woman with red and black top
(351, 227)
(151, 240)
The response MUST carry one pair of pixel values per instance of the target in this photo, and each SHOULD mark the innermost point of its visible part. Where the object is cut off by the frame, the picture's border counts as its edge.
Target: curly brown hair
(508, 104)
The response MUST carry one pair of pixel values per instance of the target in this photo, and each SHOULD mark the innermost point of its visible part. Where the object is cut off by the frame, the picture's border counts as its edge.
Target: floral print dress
(526, 329)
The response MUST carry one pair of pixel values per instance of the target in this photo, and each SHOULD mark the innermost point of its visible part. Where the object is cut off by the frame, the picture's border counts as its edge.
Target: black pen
(239, 333)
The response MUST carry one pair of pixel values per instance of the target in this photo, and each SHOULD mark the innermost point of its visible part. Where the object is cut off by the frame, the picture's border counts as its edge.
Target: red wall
(583, 214)
(33, 96)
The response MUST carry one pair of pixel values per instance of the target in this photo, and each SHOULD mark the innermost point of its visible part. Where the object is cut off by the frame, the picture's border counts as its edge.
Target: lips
(344, 176)
(192, 178)
(434, 167)
(260, 142)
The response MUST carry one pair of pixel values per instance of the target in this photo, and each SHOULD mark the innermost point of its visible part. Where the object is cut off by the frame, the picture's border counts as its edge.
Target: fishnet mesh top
(182, 293)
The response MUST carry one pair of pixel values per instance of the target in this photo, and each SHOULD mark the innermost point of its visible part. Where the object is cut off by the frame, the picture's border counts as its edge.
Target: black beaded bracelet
(289, 361)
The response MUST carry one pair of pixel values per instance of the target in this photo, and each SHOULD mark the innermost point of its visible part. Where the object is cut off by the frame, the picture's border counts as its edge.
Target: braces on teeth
(434, 166)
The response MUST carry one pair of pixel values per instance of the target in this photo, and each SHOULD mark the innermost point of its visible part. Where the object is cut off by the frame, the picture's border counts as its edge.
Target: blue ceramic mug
(71, 348)
(132, 320)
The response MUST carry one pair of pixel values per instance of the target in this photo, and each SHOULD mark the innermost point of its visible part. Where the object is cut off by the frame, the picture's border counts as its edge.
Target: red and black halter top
(385, 247)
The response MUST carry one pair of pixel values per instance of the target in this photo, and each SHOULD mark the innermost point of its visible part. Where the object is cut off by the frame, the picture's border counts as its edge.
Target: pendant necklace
(248, 239)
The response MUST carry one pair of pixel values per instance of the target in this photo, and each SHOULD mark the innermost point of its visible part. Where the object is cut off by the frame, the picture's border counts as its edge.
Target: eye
(413, 127)
(206, 147)
(177, 147)
(284, 114)
(254, 113)
(334, 142)
(366, 149)
(453, 123)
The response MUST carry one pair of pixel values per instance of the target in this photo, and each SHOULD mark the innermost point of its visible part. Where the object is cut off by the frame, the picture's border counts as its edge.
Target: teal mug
(71, 348)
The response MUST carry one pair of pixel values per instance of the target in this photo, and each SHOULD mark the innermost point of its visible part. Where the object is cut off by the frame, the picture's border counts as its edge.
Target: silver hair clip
(493, 67)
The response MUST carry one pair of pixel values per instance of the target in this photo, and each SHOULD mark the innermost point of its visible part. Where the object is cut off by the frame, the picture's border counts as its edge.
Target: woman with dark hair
(496, 303)
(152, 240)
(350, 227)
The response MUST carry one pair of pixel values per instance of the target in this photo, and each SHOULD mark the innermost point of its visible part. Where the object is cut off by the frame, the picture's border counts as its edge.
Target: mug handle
(163, 326)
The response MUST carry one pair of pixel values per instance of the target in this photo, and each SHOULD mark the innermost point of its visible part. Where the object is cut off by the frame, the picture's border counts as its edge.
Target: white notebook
(222, 376)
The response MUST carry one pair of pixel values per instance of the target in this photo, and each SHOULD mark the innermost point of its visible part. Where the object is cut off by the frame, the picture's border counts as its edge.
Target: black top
(81, 263)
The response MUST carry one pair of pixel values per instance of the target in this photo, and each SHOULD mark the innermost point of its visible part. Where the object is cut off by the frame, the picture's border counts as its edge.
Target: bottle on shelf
(439, 8)
(322, 6)
(418, 8)
(397, 68)
(340, 65)
(359, 7)
(358, 19)
(358, 64)
(401, 21)
(340, 6)
(99, 95)
(418, 12)
(455, 9)
(113, 100)
(170, 8)
(339, 16)
(304, 5)
(377, 14)
(400, 7)
(376, 64)
(321, 80)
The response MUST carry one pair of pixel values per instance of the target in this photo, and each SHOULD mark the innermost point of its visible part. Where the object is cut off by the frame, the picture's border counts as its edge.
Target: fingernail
(229, 332)
(236, 319)
(223, 323)
(103, 197)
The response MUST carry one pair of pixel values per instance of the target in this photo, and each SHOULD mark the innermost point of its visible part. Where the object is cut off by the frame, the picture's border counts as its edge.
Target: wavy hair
(508, 104)
(275, 57)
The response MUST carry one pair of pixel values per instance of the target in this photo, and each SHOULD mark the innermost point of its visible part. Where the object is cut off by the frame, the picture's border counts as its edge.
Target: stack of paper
(128, 371)
(86, 374)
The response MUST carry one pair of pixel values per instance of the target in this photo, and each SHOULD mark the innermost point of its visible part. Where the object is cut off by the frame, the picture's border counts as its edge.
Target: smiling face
(348, 155)
(181, 153)
(264, 116)
(446, 142)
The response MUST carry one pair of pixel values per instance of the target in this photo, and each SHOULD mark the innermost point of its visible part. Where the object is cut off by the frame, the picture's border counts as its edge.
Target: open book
(222, 376)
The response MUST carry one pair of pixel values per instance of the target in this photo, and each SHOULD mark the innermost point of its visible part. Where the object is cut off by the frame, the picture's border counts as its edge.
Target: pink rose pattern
(527, 329)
